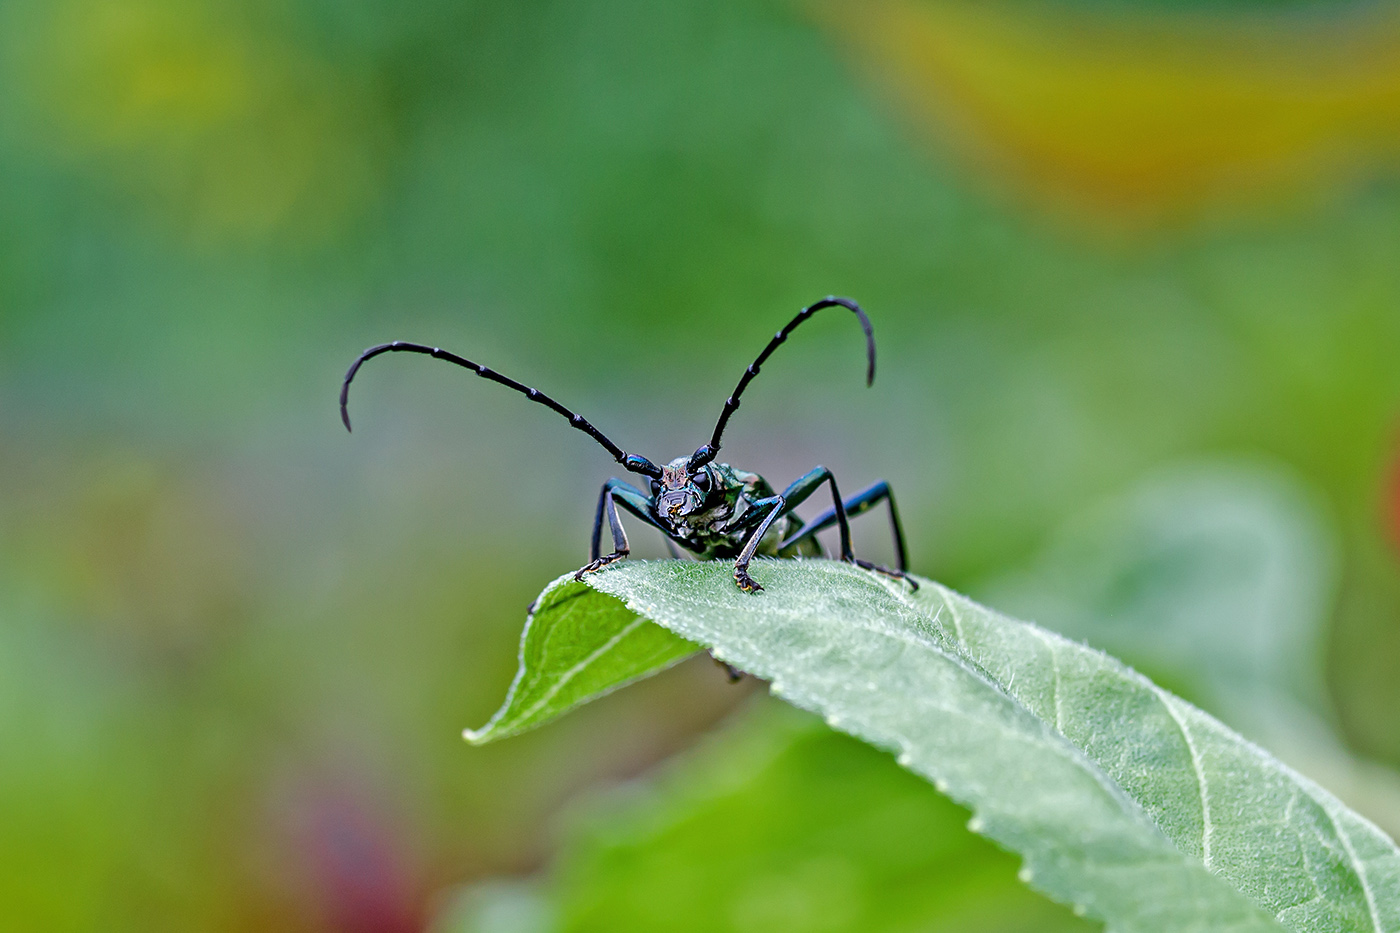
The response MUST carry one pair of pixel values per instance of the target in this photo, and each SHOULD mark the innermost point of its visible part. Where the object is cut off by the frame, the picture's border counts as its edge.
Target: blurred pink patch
(362, 878)
(1393, 498)
(351, 867)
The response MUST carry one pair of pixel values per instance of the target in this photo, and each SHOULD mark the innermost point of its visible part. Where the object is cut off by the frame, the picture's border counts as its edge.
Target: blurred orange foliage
(1141, 117)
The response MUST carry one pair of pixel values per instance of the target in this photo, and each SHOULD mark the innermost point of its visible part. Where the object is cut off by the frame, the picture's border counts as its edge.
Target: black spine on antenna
(707, 453)
(632, 462)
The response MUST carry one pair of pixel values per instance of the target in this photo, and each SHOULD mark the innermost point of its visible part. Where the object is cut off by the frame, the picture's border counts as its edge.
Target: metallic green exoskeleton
(711, 509)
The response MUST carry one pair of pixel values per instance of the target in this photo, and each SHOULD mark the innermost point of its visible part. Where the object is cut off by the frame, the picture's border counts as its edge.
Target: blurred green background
(1135, 273)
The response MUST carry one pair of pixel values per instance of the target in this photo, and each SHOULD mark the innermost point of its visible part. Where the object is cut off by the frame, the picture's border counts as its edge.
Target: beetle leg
(888, 571)
(616, 492)
(861, 502)
(764, 511)
(803, 487)
(735, 675)
(838, 513)
(606, 506)
(775, 506)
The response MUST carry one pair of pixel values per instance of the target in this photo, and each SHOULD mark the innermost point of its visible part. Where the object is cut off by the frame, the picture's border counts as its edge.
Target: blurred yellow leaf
(220, 124)
(1141, 115)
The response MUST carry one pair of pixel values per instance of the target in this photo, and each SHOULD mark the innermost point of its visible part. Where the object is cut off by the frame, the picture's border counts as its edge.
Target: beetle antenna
(707, 453)
(632, 462)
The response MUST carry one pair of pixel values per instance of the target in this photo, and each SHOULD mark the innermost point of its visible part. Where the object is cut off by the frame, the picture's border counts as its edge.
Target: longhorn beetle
(711, 509)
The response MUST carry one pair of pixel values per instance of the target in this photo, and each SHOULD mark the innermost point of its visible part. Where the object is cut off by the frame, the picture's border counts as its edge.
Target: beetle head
(681, 491)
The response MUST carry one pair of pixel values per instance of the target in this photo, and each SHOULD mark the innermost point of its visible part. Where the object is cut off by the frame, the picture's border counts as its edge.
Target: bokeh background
(1135, 273)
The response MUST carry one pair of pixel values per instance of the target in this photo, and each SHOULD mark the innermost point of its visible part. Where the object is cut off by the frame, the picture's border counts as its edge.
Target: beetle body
(712, 518)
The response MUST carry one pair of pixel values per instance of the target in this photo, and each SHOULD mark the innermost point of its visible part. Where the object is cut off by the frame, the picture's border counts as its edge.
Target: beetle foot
(599, 564)
(735, 675)
(897, 574)
(746, 583)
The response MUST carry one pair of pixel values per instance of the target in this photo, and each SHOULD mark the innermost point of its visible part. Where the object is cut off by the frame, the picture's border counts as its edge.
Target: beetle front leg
(615, 491)
(607, 506)
(769, 509)
(777, 505)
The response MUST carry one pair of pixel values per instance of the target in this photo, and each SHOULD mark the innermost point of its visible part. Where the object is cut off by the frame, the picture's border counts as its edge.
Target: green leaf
(1218, 573)
(1123, 800)
(577, 647)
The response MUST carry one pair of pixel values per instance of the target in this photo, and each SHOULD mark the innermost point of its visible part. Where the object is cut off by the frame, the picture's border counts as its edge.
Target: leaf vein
(1203, 788)
(580, 667)
(1360, 867)
(1056, 681)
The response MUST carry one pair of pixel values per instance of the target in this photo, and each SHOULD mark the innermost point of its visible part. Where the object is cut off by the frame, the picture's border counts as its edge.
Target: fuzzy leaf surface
(1123, 800)
(576, 647)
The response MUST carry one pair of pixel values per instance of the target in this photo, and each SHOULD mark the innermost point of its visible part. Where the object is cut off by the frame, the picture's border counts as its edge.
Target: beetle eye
(701, 480)
(656, 487)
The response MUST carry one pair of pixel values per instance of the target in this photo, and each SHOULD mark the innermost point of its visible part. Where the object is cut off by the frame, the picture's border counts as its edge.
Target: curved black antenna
(707, 453)
(632, 462)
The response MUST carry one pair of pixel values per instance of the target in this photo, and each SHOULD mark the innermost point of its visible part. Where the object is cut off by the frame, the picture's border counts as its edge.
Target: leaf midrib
(1059, 741)
(921, 639)
(567, 677)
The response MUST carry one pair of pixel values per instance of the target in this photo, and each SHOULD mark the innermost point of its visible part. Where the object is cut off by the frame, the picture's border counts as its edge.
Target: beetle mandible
(711, 509)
